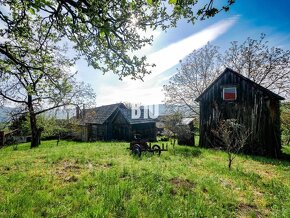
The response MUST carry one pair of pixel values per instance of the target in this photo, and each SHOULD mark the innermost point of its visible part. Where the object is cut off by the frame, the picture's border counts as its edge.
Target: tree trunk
(35, 140)
(34, 132)
(230, 163)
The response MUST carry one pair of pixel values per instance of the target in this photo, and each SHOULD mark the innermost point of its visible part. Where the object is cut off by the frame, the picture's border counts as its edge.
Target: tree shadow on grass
(16, 147)
(283, 161)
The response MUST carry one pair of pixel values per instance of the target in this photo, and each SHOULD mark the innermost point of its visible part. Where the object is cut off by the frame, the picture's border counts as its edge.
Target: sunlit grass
(103, 180)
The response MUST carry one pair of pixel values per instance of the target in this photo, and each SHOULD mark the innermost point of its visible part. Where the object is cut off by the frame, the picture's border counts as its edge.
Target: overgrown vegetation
(233, 137)
(285, 123)
(103, 180)
(52, 127)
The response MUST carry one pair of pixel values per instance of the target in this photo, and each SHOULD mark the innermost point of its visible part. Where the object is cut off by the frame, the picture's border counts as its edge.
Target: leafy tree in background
(106, 33)
(253, 58)
(265, 65)
(196, 72)
(170, 126)
(285, 123)
(53, 128)
(21, 123)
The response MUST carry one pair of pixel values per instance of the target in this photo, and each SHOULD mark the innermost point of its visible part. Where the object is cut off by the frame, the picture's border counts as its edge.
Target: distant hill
(4, 113)
(167, 110)
(61, 113)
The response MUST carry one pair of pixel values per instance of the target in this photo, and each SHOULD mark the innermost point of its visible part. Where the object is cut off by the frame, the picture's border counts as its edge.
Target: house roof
(265, 90)
(99, 115)
(128, 116)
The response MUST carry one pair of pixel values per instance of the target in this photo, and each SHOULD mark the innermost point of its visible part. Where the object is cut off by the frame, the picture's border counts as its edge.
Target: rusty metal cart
(138, 145)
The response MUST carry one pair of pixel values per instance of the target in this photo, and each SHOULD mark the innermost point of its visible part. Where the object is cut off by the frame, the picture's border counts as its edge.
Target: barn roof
(265, 90)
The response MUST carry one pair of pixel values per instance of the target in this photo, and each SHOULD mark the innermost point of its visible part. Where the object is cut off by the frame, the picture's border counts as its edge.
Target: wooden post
(58, 139)
(162, 146)
(2, 138)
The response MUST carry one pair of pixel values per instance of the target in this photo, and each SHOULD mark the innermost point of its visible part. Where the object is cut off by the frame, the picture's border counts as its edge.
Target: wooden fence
(11, 137)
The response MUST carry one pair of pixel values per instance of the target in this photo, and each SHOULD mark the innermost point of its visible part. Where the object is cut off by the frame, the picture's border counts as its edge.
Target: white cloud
(150, 91)
(170, 56)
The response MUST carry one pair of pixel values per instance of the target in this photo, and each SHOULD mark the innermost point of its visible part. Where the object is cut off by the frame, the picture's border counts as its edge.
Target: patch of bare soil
(108, 164)
(66, 170)
(247, 210)
(226, 183)
(72, 178)
(266, 173)
(5, 170)
(180, 184)
(96, 166)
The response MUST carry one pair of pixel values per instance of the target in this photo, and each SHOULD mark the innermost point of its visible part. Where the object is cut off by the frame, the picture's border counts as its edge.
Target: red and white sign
(230, 93)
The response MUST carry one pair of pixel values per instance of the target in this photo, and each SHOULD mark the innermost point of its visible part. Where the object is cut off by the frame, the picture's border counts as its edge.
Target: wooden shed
(114, 122)
(185, 132)
(233, 96)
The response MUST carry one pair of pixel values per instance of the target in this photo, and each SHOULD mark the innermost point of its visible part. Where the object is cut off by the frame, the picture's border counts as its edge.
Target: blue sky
(245, 19)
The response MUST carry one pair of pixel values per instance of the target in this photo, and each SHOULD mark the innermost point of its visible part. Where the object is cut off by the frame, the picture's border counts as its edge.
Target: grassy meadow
(102, 179)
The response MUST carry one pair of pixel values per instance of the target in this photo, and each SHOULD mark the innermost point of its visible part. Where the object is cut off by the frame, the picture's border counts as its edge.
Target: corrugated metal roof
(186, 121)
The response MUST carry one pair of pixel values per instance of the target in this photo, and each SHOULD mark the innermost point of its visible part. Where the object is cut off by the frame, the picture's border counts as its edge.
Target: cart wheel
(156, 149)
(136, 150)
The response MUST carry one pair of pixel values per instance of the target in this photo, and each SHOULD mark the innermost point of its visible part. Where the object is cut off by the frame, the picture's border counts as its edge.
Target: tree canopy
(106, 33)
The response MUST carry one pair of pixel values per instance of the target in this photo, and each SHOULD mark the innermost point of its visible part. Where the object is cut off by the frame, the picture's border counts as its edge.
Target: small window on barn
(230, 93)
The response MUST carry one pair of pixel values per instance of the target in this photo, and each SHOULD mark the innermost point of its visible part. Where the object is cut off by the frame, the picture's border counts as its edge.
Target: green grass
(104, 180)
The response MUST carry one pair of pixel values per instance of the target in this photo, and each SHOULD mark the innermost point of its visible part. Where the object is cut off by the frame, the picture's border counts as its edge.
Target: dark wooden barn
(233, 96)
(114, 122)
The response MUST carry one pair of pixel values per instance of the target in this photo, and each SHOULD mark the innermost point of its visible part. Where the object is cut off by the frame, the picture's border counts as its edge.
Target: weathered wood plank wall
(254, 108)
